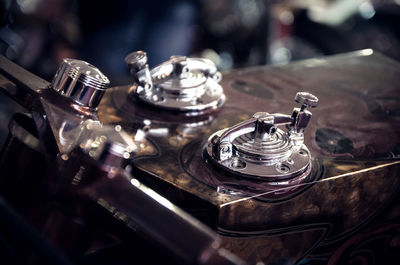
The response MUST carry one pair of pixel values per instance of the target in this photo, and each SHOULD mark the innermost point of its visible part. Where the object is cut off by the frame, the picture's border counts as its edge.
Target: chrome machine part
(179, 84)
(256, 148)
(81, 82)
(109, 145)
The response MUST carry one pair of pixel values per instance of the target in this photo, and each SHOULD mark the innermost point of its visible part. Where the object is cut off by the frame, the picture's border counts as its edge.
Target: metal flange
(256, 148)
(179, 84)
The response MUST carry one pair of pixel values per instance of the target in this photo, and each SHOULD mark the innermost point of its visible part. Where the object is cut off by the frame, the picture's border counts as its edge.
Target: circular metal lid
(180, 84)
(271, 159)
(258, 149)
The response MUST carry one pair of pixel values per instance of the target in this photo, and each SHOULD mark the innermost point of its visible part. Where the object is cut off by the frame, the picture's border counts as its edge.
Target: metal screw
(225, 151)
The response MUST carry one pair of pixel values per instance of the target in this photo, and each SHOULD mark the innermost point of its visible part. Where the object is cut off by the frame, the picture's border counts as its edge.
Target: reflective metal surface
(81, 82)
(180, 84)
(258, 149)
(346, 210)
(64, 170)
(353, 138)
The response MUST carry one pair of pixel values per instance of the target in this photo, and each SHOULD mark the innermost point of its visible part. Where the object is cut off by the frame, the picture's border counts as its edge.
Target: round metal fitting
(179, 84)
(81, 82)
(257, 149)
(273, 159)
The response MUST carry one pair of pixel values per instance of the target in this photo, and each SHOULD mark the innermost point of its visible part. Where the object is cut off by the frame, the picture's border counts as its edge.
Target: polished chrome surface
(180, 84)
(306, 99)
(107, 144)
(71, 153)
(350, 197)
(81, 82)
(256, 148)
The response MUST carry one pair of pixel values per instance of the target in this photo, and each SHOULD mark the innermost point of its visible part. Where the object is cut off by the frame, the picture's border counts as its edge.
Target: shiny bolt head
(225, 151)
(306, 99)
(136, 60)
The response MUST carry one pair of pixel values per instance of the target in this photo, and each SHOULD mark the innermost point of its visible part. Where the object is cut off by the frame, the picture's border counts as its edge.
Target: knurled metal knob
(136, 60)
(306, 99)
(81, 82)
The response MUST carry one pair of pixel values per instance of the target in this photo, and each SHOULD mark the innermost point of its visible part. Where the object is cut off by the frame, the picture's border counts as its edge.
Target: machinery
(188, 166)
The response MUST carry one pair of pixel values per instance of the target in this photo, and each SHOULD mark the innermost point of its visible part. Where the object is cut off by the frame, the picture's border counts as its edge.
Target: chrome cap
(179, 84)
(81, 82)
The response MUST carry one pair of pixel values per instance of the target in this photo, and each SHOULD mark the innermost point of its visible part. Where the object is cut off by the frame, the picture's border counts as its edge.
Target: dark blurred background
(37, 34)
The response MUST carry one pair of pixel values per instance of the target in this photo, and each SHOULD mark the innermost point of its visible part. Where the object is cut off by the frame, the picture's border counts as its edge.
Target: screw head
(225, 151)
